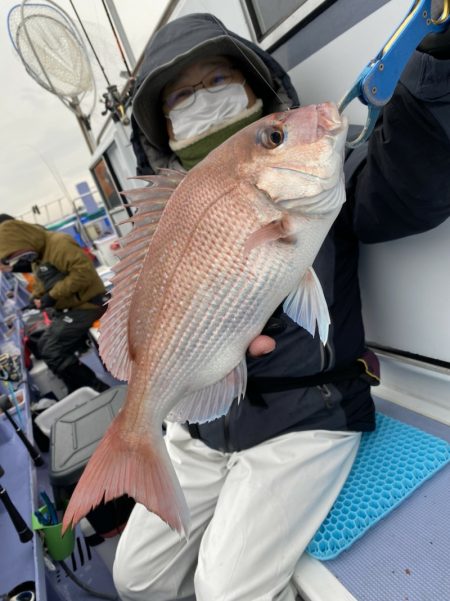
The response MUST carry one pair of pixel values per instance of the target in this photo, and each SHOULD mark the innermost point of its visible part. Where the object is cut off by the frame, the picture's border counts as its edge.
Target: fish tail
(141, 469)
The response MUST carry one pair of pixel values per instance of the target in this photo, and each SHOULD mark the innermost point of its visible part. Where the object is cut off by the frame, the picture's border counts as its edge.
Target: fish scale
(191, 280)
(238, 234)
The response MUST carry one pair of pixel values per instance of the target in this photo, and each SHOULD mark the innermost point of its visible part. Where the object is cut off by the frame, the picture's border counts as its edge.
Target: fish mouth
(332, 126)
(329, 118)
(306, 172)
(314, 122)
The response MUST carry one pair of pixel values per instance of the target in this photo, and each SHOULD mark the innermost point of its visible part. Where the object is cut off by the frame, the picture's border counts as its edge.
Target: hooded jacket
(61, 268)
(388, 197)
(173, 47)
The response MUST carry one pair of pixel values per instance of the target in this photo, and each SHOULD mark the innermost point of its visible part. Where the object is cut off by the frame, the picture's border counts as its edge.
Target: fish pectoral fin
(213, 401)
(307, 306)
(282, 228)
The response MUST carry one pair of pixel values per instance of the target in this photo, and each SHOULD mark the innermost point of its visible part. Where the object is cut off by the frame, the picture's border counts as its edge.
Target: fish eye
(271, 137)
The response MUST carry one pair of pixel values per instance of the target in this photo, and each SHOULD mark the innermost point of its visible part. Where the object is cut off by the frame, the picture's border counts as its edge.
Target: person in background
(260, 480)
(65, 282)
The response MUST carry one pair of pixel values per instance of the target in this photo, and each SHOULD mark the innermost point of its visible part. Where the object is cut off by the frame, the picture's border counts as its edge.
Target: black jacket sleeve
(404, 186)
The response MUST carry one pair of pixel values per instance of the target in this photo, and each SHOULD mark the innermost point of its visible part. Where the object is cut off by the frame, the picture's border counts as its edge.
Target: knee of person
(51, 358)
(43, 350)
(207, 588)
(52, 364)
(124, 580)
(136, 580)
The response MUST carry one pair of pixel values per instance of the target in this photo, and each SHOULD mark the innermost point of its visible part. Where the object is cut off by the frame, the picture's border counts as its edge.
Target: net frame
(44, 78)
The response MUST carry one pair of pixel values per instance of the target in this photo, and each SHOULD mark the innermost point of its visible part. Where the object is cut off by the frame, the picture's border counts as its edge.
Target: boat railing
(61, 208)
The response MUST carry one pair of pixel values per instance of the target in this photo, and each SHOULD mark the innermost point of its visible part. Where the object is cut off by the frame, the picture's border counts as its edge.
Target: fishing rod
(34, 453)
(25, 533)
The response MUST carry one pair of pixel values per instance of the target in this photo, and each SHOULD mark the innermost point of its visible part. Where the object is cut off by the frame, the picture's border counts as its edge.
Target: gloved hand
(437, 44)
(47, 301)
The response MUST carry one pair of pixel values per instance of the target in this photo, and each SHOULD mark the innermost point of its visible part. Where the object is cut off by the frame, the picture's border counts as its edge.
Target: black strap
(259, 385)
(367, 367)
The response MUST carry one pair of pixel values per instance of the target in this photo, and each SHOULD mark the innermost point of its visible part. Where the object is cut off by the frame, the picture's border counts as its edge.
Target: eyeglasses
(214, 81)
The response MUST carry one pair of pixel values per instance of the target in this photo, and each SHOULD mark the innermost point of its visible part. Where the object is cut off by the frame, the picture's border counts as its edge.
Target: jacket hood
(177, 44)
(16, 235)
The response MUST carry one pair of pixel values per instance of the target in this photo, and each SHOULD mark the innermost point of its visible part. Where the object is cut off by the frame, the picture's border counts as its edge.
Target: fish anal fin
(142, 470)
(213, 401)
(307, 306)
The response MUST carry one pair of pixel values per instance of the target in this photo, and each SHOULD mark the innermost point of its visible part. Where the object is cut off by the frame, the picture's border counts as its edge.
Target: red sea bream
(238, 235)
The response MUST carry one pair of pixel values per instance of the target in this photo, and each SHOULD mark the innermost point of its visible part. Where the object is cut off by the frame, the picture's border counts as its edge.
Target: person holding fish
(255, 237)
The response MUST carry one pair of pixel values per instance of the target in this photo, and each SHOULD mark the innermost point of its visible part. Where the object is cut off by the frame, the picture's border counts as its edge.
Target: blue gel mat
(391, 463)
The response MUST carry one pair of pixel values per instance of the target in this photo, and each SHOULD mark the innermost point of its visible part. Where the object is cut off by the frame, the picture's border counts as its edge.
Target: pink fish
(195, 286)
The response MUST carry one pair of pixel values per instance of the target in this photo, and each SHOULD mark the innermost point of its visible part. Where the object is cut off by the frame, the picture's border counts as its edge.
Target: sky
(43, 153)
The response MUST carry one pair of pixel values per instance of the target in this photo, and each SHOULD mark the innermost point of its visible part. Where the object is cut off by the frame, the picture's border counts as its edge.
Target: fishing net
(52, 51)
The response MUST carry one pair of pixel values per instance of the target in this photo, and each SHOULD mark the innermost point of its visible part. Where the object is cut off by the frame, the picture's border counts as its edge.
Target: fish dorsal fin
(149, 203)
(213, 401)
(307, 306)
(163, 176)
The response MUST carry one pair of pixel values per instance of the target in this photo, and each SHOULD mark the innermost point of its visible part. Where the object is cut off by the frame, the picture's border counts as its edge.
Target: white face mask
(208, 109)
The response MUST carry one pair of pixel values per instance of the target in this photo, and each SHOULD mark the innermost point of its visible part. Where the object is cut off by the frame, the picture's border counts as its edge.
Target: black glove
(47, 301)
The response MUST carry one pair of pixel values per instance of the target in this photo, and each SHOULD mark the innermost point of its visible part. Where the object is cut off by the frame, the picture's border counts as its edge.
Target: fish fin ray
(173, 173)
(307, 306)
(143, 471)
(213, 401)
(275, 230)
(134, 247)
(164, 178)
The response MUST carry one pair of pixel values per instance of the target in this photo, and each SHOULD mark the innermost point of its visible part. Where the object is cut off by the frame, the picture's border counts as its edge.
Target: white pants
(252, 515)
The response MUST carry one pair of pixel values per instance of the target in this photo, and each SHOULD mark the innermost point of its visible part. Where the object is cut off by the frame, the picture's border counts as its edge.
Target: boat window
(267, 15)
(106, 182)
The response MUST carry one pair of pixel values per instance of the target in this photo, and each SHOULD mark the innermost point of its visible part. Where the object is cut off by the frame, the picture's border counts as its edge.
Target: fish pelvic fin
(307, 306)
(141, 469)
(213, 401)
